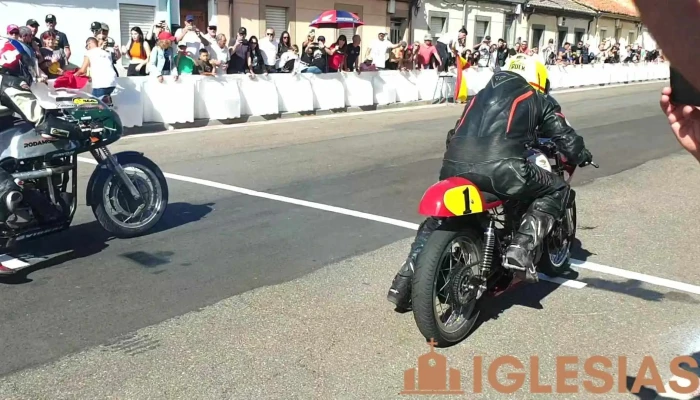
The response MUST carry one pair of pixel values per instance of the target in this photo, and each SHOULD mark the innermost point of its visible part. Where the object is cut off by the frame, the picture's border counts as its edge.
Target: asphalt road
(214, 244)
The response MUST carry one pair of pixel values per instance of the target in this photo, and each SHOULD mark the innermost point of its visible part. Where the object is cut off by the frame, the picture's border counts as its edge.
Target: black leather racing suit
(487, 146)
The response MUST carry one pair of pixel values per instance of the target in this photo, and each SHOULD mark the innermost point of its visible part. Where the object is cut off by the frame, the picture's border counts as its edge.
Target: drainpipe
(230, 19)
(168, 10)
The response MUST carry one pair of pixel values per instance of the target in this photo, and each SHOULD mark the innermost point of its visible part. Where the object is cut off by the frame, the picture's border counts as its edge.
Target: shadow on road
(89, 239)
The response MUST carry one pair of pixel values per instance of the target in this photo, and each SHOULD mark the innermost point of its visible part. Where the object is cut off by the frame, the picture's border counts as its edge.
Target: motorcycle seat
(490, 197)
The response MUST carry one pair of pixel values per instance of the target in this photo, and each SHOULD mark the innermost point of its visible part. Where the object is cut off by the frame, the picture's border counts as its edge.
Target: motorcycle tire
(102, 214)
(424, 281)
(548, 266)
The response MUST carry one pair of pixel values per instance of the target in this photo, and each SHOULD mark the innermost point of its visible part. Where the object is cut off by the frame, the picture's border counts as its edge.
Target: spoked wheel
(116, 209)
(557, 246)
(446, 286)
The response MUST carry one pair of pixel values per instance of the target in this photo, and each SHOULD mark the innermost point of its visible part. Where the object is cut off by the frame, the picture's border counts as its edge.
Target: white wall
(73, 17)
(497, 13)
(552, 30)
(455, 15)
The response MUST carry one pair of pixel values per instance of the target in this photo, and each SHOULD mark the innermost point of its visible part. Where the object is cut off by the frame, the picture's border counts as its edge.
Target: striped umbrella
(336, 19)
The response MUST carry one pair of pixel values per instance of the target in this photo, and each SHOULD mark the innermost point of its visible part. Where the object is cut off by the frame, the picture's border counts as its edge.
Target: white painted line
(353, 114)
(685, 287)
(10, 262)
(564, 282)
(409, 225)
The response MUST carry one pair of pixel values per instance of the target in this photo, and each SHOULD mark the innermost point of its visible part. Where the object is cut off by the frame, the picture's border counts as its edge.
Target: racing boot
(53, 127)
(521, 253)
(400, 291)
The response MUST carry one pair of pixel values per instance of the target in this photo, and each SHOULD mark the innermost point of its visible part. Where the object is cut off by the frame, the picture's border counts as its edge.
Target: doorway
(198, 9)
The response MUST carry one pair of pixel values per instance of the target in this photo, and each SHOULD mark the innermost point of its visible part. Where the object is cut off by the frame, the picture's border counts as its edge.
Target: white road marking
(354, 114)
(685, 287)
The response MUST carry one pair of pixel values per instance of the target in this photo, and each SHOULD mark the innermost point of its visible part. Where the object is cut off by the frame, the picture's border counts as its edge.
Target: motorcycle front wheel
(444, 293)
(116, 209)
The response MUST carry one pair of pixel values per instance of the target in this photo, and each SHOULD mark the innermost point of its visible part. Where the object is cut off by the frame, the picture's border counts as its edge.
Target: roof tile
(622, 7)
(568, 5)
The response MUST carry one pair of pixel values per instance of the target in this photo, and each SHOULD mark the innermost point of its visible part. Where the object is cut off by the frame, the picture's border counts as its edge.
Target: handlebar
(549, 146)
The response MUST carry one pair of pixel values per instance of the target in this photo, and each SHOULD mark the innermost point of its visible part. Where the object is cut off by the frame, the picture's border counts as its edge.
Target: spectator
(396, 57)
(352, 59)
(162, 62)
(13, 31)
(305, 64)
(203, 66)
(268, 47)
(52, 60)
(156, 29)
(426, 52)
(192, 37)
(238, 63)
(368, 65)
(484, 53)
(459, 47)
(183, 62)
(310, 38)
(444, 46)
(549, 53)
(288, 59)
(138, 52)
(256, 60)
(284, 47)
(211, 33)
(493, 57)
(514, 50)
(565, 54)
(501, 53)
(218, 54)
(61, 38)
(102, 74)
(34, 26)
(523, 47)
(602, 54)
(613, 56)
(378, 50)
(337, 53)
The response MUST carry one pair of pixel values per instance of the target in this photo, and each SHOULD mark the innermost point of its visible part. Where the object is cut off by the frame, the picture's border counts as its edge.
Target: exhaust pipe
(12, 201)
(42, 173)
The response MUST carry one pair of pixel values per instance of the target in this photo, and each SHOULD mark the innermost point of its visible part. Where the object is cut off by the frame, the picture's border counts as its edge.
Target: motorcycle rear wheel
(428, 281)
(115, 199)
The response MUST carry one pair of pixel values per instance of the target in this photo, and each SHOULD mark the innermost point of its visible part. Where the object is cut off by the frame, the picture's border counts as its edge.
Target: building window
(578, 35)
(397, 30)
(537, 34)
(603, 34)
(276, 18)
(437, 26)
(631, 37)
(130, 16)
(351, 31)
(562, 37)
(482, 30)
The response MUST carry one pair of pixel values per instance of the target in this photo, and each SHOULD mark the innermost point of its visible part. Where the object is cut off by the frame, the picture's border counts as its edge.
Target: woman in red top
(337, 53)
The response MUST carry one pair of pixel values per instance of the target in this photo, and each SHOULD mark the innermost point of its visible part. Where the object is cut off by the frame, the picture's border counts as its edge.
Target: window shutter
(481, 29)
(276, 18)
(132, 15)
(436, 25)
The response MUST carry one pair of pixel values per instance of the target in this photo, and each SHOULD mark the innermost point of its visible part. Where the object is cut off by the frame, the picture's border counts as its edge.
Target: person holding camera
(192, 37)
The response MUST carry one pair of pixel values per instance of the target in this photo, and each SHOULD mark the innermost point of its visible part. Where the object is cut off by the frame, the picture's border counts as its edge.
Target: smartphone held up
(682, 91)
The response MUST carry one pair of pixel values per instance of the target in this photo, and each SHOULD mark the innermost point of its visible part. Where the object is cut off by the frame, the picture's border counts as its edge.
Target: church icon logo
(432, 375)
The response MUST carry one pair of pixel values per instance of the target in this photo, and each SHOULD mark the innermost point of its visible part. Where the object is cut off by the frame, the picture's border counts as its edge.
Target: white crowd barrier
(142, 100)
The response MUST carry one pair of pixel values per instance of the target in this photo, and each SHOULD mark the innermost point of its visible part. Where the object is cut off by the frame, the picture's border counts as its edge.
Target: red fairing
(431, 204)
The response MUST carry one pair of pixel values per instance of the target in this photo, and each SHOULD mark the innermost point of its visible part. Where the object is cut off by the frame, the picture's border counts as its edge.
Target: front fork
(102, 154)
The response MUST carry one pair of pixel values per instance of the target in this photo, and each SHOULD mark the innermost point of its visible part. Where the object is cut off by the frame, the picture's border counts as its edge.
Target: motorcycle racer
(487, 147)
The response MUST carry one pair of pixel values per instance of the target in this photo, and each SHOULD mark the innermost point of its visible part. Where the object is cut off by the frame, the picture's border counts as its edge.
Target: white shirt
(448, 39)
(269, 51)
(194, 43)
(219, 54)
(485, 54)
(101, 69)
(379, 52)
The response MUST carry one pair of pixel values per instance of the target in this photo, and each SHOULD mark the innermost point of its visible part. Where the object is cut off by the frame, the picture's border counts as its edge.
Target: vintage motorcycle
(128, 193)
(464, 258)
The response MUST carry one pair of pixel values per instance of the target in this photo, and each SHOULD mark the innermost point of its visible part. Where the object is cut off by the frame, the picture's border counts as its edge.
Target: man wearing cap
(192, 36)
(239, 53)
(379, 49)
(61, 38)
(34, 26)
(13, 31)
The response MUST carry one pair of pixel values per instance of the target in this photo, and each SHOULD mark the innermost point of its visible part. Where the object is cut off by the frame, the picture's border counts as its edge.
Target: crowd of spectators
(189, 50)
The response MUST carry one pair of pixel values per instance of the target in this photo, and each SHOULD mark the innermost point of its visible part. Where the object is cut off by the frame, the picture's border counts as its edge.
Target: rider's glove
(585, 157)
